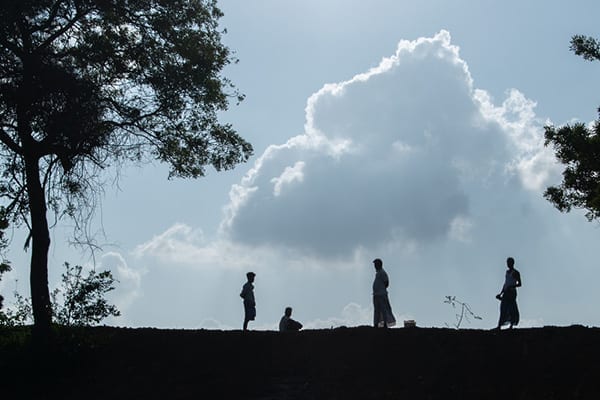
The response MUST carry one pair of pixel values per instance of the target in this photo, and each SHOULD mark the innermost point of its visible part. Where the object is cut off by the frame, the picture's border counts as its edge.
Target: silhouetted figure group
(382, 309)
(287, 324)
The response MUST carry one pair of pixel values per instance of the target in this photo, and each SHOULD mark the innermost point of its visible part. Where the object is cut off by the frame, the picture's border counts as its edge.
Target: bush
(80, 301)
(18, 315)
(83, 297)
(4, 264)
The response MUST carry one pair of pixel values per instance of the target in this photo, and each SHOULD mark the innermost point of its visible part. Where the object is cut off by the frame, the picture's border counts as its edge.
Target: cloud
(352, 315)
(129, 286)
(182, 245)
(289, 175)
(534, 163)
(393, 154)
(213, 324)
(460, 229)
(531, 323)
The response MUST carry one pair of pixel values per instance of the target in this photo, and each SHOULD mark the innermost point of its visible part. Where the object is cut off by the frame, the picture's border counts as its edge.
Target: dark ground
(344, 363)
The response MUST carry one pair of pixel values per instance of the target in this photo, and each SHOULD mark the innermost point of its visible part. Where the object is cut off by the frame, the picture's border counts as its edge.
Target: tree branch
(51, 17)
(62, 30)
(7, 140)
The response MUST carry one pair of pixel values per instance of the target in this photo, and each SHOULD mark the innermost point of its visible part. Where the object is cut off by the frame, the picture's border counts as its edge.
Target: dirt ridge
(342, 363)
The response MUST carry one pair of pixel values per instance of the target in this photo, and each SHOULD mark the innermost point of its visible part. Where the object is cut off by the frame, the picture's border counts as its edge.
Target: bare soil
(343, 363)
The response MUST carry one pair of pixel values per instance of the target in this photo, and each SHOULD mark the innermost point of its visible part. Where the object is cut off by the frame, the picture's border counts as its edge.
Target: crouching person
(287, 324)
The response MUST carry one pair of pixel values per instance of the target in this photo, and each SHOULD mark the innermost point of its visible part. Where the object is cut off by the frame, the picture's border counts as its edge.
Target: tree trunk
(40, 237)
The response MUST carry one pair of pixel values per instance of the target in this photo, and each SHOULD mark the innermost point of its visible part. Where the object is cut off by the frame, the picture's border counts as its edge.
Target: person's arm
(517, 279)
(296, 326)
(282, 324)
(499, 295)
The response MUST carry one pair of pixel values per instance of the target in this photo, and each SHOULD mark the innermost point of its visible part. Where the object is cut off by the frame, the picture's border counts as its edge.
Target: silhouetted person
(287, 324)
(382, 310)
(509, 312)
(249, 303)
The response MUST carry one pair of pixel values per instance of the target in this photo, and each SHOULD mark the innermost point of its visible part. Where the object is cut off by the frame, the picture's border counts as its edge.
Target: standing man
(382, 310)
(509, 312)
(249, 303)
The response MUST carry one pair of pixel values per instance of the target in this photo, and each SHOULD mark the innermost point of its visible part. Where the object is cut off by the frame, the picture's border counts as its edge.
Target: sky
(410, 131)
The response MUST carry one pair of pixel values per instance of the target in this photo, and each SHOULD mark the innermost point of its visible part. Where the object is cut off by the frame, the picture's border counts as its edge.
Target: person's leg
(516, 315)
(513, 317)
(388, 315)
(376, 311)
(249, 314)
(383, 312)
(511, 311)
(503, 312)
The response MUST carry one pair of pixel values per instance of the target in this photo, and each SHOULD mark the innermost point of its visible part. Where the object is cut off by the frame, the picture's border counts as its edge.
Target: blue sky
(406, 130)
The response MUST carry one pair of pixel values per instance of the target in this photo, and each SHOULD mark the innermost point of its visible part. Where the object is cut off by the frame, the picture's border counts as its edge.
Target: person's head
(378, 264)
(510, 262)
(250, 276)
(288, 311)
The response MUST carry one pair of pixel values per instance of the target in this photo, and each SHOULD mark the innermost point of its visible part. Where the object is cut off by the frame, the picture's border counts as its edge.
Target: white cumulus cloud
(396, 153)
(289, 175)
(128, 287)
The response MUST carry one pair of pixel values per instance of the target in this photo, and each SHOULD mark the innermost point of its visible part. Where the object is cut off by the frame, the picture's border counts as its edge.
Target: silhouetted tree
(87, 84)
(4, 263)
(578, 147)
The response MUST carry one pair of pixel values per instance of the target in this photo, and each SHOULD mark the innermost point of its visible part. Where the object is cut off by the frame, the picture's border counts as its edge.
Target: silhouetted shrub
(80, 301)
(465, 311)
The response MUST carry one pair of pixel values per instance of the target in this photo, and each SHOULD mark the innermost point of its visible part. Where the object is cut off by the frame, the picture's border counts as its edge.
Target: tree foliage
(79, 301)
(82, 301)
(4, 263)
(577, 146)
(19, 314)
(586, 47)
(90, 84)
